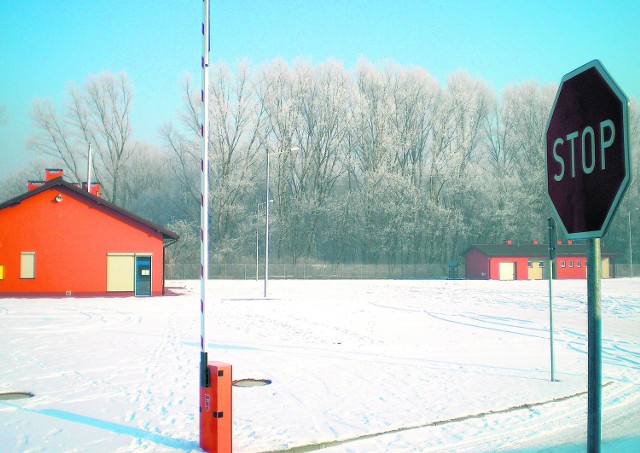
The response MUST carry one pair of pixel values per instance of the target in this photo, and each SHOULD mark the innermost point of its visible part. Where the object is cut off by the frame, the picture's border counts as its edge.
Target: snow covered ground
(382, 365)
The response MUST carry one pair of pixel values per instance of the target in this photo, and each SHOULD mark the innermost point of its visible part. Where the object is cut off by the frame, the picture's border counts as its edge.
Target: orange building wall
(71, 240)
(570, 270)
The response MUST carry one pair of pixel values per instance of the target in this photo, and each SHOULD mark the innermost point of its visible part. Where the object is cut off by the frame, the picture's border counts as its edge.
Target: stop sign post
(588, 172)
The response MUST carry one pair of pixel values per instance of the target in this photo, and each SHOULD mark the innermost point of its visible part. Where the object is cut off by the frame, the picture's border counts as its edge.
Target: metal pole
(204, 194)
(266, 233)
(257, 249)
(630, 248)
(551, 318)
(594, 415)
(553, 240)
(89, 175)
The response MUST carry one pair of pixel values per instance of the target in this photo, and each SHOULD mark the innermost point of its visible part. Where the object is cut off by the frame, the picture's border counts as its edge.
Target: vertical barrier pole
(204, 193)
(215, 377)
(205, 378)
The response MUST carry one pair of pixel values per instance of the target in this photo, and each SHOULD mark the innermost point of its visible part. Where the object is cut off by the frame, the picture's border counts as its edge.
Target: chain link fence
(303, 271)
(624, 270)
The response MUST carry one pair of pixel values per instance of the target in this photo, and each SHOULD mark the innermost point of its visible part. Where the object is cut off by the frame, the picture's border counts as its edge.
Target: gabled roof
(532, 250)
(167, 235)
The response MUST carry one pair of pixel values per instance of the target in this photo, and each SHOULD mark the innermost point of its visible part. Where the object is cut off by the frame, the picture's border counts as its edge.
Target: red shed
(58, 239)
(529, 261)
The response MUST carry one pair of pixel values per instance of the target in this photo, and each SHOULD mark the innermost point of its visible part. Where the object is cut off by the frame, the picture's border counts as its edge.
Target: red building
(58, 239)
(530, 261)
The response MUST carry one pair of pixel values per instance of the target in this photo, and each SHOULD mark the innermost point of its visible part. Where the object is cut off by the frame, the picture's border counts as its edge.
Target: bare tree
(370, 140)
(97, 114)
(184, 155)
(236, 123)
(235, 119)
(415, 94)
(322, 97)
(145, 184)
(391, 166)
(470, 101)
(55, 138)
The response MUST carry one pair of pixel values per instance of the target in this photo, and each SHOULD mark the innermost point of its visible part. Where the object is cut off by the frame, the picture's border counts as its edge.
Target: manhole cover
(15, 395)
(251, 382)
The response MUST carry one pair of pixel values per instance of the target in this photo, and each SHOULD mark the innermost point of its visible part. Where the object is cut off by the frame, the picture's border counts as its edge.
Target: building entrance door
(143, 275)
(507, 271)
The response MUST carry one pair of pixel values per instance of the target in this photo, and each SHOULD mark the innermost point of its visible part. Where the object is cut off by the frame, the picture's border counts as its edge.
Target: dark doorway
(143, 275)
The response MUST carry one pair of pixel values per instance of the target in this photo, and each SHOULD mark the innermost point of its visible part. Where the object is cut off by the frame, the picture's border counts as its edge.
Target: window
(530, 264)
(563, 263)
(579, 263)
(28, 265)
(541, 263)
(571, 263)
(1, 272)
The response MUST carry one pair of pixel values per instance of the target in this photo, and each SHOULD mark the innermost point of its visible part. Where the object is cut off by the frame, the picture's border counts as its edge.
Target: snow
(381, 365)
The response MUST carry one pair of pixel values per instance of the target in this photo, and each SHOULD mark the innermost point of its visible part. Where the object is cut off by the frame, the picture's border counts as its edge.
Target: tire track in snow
(463, 418)
(612, 352)
(486, 322)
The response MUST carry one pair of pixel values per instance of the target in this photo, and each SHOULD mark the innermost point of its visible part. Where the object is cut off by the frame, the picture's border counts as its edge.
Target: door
(535, 270)
(507, 271)
(120, 273)
(143, 275)
(606, 268)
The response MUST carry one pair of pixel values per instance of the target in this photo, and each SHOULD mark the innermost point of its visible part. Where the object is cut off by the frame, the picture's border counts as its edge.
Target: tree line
(375, 165)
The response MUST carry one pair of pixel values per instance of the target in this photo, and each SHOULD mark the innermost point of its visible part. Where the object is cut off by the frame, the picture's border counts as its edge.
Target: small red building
(58, 239)
(529, 261)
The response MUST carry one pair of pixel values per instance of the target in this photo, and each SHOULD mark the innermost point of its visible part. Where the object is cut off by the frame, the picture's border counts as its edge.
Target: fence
(333, 271)
(624, 270)
(310, 271)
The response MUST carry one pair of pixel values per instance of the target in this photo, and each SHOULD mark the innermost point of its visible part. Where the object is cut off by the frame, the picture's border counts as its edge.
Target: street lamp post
(266, 233)
(257, 250)
(257, 240)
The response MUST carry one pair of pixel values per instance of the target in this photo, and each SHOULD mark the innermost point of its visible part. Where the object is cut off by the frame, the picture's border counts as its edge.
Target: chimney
(52, 173)
(508, 242)
(535, 242)
(559, 242)
(95, 189)
(569, 242)
(34, 185)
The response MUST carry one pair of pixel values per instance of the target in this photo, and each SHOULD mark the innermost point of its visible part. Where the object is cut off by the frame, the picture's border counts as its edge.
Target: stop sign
(587, 143)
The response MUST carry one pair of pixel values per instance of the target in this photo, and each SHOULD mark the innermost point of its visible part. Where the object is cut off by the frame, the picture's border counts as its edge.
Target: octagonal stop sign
(587, 142)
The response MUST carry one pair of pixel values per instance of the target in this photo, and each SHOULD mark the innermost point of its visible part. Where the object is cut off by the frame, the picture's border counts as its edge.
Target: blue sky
(45, 45)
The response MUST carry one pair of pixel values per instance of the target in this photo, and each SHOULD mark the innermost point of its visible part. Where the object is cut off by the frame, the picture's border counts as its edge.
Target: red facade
(530, 262)
(59, 240)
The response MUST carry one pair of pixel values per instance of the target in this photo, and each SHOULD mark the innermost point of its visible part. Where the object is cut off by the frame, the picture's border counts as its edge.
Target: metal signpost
(588, 172)
(553, 239)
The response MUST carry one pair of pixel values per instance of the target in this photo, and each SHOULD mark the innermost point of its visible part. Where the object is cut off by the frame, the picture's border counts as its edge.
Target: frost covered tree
(96, 114)
(322, 120)
(235, 122)
(390, 166)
